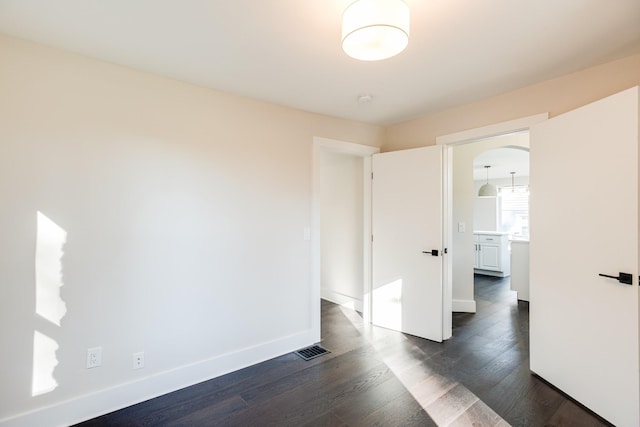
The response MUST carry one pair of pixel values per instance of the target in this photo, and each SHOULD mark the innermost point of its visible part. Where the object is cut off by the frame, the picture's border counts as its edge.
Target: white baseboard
(101, 402)
(492, 273)
(463, 306)
(341, 299)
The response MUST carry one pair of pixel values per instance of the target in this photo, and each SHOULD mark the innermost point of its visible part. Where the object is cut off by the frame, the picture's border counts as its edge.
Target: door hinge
(372, 176)
(372, 237)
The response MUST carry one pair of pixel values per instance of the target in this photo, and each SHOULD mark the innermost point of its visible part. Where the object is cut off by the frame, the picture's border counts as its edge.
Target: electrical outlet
(94, 357)
(138, 360)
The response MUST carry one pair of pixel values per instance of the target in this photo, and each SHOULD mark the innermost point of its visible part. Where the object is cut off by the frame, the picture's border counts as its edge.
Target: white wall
(185, 211)
(485, 210)
(341, 217)
(464, 196)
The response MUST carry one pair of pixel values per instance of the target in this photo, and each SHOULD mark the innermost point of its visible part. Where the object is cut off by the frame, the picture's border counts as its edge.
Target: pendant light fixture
(488, 190)
(375, 29)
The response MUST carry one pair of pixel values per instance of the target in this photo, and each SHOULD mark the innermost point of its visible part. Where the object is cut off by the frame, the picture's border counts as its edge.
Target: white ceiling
(288, 51)
(503, 161)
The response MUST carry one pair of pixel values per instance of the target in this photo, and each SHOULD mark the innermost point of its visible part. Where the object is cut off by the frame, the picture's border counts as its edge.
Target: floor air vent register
(312, 352)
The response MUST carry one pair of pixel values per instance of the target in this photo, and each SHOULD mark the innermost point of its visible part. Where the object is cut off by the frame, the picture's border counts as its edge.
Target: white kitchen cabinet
(492, 253)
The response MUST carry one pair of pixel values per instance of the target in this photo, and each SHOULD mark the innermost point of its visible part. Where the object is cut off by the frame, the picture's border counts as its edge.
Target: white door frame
(450, 141)
(332, 145)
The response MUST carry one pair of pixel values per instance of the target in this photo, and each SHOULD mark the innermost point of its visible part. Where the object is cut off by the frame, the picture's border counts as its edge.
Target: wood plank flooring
(377, 377)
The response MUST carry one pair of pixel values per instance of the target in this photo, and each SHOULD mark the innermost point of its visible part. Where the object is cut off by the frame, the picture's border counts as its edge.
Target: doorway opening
(480, 238)
(456, 234)
(341, 226)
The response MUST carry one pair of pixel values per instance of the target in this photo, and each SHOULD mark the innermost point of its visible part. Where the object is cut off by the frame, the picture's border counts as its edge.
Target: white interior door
(584, 221)
(407, 288)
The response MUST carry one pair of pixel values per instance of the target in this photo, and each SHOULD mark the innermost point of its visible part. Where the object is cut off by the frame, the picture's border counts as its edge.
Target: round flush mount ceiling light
(375, 29)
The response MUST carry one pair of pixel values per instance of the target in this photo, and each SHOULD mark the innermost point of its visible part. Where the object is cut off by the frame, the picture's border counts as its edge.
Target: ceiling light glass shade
(375, 29)
(488, 190)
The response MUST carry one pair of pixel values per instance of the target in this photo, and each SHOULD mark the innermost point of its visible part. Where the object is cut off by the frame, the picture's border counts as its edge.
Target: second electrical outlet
(138, 360)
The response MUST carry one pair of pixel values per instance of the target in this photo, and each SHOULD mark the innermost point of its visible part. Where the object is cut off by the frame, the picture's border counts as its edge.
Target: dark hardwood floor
(377, 377)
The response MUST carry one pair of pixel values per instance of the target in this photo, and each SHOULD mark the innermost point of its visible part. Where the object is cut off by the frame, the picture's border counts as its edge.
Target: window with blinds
(514, 211)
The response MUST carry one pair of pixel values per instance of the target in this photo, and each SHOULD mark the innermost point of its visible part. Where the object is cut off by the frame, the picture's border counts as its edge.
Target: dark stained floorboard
(377, 377)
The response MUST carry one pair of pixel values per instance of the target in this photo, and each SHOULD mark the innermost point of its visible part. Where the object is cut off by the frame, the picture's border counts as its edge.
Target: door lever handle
(624, 278)
(432, 252)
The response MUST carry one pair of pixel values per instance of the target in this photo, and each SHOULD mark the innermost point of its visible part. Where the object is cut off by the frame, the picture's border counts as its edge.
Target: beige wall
(185, 211)
(553, 96)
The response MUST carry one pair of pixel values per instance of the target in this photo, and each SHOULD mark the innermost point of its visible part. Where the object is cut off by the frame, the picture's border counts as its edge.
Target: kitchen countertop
(495, 233)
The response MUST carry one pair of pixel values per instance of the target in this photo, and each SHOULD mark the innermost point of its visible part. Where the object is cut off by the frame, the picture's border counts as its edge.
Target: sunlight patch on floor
(447, 402)
(387, 305)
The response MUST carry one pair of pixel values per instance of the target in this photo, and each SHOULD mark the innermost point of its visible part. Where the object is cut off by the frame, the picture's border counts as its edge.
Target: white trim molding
(496, 129)
(463, 306)
(341, 299)
(92, 405)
